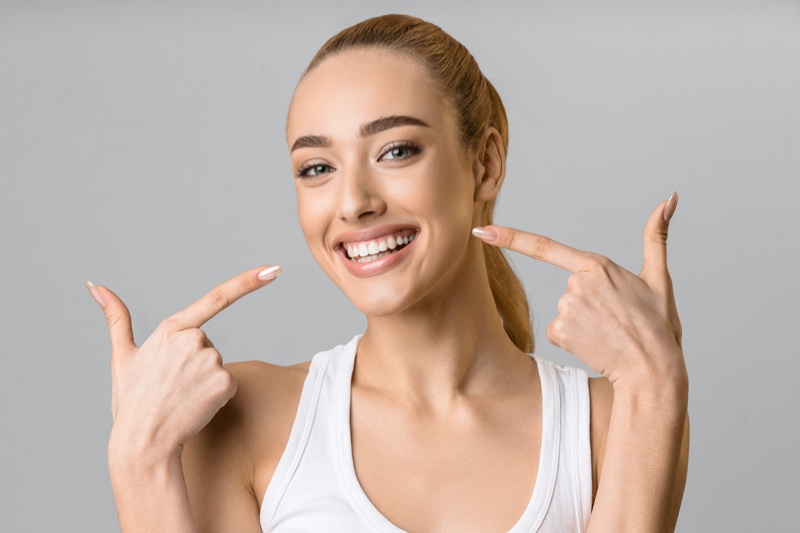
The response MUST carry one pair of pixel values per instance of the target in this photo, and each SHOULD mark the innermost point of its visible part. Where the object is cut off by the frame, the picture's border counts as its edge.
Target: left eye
(399, 152)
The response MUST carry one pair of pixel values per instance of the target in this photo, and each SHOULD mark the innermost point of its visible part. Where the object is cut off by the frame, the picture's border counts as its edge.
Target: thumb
(117, 316)
(654, 269)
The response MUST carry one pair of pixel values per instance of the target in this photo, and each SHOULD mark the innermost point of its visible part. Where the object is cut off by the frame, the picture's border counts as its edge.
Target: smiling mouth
(374, 249)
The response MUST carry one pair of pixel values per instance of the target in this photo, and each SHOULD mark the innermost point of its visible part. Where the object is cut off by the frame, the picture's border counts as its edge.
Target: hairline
(423, 65)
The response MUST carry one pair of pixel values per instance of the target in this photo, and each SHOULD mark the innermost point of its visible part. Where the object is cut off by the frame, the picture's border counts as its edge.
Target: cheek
(312, 212)
(314, 221)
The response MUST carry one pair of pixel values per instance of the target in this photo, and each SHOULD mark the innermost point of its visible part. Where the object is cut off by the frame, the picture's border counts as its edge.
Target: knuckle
(113, 318)
(196, 336)
(218, 298)
(227, 383)
(566, 303)
(600, 262)
(542, 246)
(660, 235)
(192, 338)
(210, 358)
(573, 283)
(508, 238)
(552, 336)
(169, 324)
(555, 330)
(557, 326)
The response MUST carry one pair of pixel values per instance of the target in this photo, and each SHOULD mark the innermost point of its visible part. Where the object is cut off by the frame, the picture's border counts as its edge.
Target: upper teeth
(371, 250)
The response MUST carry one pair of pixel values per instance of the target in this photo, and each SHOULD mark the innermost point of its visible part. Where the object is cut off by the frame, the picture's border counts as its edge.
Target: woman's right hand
(168, 389)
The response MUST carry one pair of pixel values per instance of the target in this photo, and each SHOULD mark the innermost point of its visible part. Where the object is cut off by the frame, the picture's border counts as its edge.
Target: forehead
(354, 87)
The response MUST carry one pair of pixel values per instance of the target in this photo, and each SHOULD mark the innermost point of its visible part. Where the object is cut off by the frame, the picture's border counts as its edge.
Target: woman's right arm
(164, 393)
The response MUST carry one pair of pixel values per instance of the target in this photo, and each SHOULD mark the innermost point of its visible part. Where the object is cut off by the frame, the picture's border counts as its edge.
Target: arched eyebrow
(369, 128)
(311, 141)
(387, 123)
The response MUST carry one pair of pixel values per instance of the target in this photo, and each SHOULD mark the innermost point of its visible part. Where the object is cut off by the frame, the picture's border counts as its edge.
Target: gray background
(142, 148)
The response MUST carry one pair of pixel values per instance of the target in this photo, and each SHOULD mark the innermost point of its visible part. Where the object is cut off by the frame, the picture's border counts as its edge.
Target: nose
(360, 196)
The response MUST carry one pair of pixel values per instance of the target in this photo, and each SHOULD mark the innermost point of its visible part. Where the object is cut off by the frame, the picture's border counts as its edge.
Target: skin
(195, 443)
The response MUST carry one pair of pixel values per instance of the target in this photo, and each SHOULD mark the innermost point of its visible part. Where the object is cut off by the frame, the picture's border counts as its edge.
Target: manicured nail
(488, 235)
(269, 273)
(669, 209)
(96, 294)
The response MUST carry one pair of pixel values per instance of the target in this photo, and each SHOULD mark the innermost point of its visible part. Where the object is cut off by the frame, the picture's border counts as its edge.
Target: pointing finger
(535, 246)
(117, 316)
(654, 268)
(223, 295)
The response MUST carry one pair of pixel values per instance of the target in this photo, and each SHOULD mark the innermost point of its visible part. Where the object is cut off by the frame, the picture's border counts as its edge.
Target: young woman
(437, 418)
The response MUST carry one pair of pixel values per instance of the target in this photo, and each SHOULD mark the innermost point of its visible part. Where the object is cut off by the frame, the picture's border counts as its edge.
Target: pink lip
(379, 266)
(370, 233)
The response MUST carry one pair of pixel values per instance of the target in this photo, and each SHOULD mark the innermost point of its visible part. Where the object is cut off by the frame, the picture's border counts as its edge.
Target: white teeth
(372, 250)
(371, 258)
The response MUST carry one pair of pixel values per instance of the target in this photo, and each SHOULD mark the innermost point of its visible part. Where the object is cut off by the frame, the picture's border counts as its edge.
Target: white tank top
(315, 487)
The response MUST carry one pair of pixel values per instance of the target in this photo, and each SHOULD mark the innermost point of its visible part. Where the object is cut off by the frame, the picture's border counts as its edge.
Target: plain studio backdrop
(142, 147)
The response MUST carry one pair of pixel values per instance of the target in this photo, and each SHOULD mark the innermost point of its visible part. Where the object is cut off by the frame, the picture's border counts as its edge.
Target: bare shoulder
(230, 462)
(601, 398)
(264, 406)
(266, 400)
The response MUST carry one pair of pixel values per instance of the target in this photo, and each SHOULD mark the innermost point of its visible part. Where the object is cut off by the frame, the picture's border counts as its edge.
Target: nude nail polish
(269, 273)
(488, 235)
(669, 209)
(95, 294)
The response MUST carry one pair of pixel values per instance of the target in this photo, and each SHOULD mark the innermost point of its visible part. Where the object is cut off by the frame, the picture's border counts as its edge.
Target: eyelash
(411, 147)
(302, 172)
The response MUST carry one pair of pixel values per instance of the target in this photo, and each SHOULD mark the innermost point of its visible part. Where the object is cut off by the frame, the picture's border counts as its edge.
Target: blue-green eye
(399, 151)
(312, 170)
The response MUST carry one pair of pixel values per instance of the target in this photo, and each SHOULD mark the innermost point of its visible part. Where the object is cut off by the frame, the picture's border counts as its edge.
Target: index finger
(535, 246)
(223, 295)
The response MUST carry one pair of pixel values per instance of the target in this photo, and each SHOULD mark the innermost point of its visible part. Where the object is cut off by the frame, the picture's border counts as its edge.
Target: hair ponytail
(509, 294)
(477, 105)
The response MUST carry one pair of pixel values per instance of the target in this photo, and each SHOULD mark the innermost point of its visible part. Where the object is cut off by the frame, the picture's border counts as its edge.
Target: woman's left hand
(621, 325)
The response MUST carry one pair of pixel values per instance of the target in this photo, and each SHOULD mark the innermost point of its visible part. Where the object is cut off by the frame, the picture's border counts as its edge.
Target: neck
(450, 344)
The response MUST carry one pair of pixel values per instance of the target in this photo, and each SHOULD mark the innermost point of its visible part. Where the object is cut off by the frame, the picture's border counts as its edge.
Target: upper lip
(367, 234)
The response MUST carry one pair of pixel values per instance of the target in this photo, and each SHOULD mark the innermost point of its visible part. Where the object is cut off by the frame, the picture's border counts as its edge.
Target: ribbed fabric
(315, 487)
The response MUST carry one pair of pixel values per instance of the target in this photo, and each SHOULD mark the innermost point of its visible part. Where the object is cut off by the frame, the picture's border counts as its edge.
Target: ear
(490, 166)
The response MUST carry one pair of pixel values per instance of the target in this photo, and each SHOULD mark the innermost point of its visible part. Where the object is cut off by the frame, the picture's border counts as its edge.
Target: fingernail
(96, 294)
(269, 273)
(486, 234)
(669, 209)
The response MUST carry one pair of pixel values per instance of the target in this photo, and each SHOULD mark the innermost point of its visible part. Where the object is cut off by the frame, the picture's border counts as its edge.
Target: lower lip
(379, 266)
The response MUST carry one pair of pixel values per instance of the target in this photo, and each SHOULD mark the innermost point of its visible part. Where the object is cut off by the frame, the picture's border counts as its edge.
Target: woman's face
(378, 164)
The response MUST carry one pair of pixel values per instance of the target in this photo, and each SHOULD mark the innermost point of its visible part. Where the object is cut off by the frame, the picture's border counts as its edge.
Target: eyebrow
(367, 129)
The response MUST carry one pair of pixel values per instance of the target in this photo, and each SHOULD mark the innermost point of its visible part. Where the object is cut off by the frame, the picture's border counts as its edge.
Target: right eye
(312, 170)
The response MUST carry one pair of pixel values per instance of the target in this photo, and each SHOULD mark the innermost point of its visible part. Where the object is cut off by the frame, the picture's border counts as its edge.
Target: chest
(472, 471)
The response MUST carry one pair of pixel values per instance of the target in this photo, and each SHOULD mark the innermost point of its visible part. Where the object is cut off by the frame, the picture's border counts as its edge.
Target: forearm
(636, 488)
(150, 491)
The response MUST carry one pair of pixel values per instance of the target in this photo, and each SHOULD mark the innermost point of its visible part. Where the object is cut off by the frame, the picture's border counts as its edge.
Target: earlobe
(490, 166)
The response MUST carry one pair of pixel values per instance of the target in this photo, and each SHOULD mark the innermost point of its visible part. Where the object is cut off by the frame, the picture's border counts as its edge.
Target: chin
(379, 300)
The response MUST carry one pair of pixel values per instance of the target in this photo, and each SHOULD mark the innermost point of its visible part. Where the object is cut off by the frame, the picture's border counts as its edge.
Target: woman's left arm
(625, 327)
(644, 466)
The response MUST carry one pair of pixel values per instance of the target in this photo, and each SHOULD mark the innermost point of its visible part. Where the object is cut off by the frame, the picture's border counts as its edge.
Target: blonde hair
(477, 105)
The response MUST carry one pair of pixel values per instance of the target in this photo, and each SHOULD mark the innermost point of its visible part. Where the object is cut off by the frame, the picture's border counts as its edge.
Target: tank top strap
(299, 436)
(570, 503)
